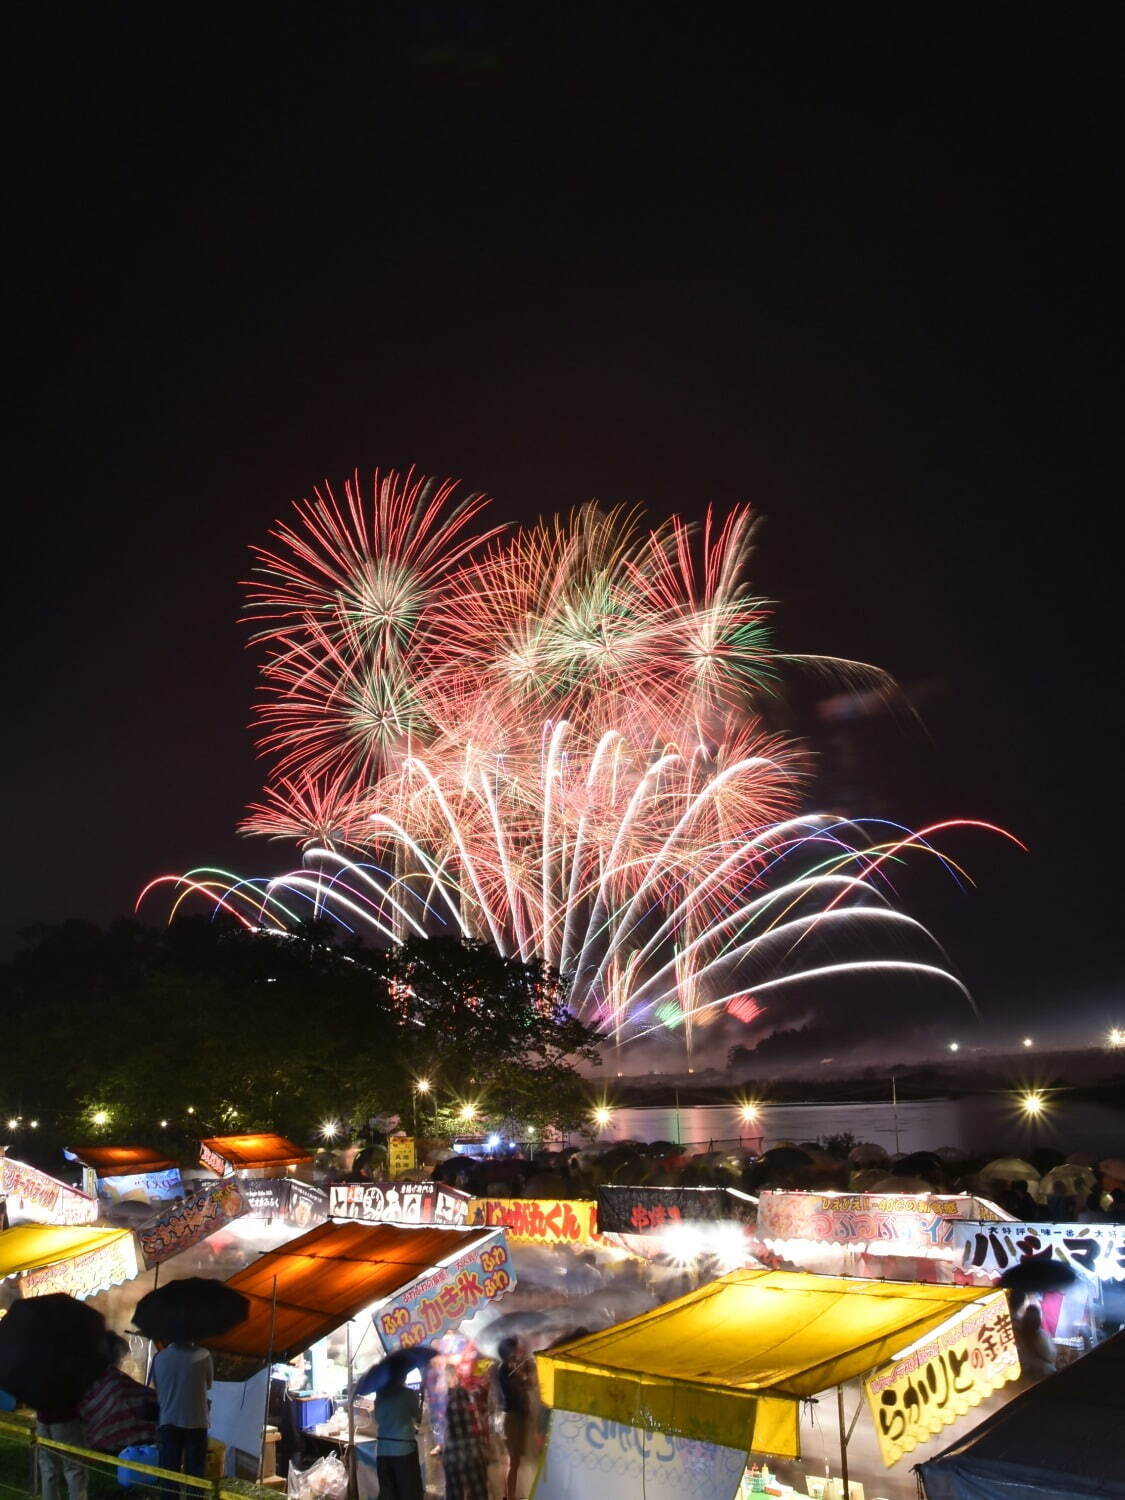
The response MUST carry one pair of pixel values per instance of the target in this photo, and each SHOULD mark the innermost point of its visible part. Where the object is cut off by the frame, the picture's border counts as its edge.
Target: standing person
(182, 1374)
(63, 1424)
(516, 1378)
(397, 1414)
(464, 1454)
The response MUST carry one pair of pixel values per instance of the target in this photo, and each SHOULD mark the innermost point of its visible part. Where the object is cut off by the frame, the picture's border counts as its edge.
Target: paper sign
(400, 1155)
(41, 1198)
(918, 1395)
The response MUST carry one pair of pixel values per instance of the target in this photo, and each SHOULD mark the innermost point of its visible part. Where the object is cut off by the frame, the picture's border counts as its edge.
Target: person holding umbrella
(178, 1315)
(398, 1411)
(182, 1373)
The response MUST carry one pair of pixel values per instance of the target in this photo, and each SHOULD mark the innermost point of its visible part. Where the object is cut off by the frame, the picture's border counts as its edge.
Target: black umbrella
(1041, 1274)
(919, 1164)
(52, 1349)
(183, 1312)
(397, 1365)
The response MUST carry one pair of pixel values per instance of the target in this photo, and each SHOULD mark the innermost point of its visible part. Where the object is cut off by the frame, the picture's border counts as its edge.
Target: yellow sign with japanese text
(933, 1385)
(400, 1155)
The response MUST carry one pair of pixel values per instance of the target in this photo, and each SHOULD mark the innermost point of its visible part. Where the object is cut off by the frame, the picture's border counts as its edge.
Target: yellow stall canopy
(729, 1363)
(67, 1258)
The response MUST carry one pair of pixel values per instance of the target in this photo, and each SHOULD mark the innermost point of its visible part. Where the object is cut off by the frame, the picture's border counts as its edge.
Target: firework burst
(552, 740)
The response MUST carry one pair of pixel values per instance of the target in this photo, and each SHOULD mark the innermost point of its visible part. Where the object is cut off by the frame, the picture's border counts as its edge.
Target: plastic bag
(327, 1479)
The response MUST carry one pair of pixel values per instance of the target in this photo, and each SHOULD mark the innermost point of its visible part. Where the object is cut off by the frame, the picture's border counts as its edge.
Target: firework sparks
(552, 740)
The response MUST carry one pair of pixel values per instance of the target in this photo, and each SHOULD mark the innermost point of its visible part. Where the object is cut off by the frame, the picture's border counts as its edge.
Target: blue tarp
(1062, 1439)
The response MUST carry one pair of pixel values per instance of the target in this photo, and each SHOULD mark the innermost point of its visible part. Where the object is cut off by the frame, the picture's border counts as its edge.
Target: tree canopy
(218, 1030)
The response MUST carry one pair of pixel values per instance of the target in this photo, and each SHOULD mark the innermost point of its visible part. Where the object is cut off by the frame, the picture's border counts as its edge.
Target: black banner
(299, 1203)
(648, 1210)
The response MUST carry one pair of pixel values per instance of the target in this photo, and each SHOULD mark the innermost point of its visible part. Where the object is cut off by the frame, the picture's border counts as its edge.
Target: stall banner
(398, 1202)
(648, 1210)
(191, 1221)
(924, 1220)
(1098, 1249)
(400, 1155)
(43, 1199)
(83, 1275)
(590, 1456)
(138, 1187)
(916, 1396)
(437, 1302)
(539, 1221)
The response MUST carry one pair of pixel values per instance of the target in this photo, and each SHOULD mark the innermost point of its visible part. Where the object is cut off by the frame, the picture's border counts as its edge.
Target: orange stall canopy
(121, 1161)
(327, 1276)
(248, 1153)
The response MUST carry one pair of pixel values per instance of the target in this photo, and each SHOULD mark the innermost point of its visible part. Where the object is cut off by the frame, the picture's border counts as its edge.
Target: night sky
(864, 274)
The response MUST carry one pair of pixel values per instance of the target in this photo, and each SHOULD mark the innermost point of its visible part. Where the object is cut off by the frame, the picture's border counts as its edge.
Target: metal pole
(353, 1465)
(269, 1381)
(843, 1442)
(894, 1104)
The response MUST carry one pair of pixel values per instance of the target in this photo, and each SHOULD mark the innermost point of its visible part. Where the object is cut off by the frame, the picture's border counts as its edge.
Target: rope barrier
(23, 1434)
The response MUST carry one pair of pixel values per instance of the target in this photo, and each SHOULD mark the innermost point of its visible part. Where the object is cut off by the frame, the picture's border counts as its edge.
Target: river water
(979, 1125)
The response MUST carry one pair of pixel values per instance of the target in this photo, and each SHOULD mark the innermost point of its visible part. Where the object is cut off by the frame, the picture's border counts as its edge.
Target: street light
(330, 1129)
(467, 1113)
(602, 1116)
(1116, 1036)
(421, 1086)
(1028, 1042)
(1032, 1103)
(100, 1117)
(955, 1046)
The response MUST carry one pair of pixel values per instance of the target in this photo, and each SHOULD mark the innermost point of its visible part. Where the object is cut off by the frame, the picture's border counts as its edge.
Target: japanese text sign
(83, 1275)
(926, 1390)
(1098, 1249)
(539, 1221)
(437, 1302)
(647, 1210)
(400, 1155)
(191, 1221)
(918, 1220)
(398, 1202)
(42, 1198)
(589, 1456)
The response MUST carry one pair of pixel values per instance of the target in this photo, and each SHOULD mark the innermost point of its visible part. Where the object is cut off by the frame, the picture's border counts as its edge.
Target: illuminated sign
(920, 1220)
(440, 1300)
(937, 1382)
(83, 1275)
(397, 1202)
(1098, 1249)
(539, 1221)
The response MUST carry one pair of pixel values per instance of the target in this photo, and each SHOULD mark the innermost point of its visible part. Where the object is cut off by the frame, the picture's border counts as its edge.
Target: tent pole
(843, 1442)
(269, 1381)
(353, 1460)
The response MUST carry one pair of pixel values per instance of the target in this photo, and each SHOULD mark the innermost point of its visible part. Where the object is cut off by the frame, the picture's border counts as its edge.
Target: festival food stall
(262, 1154)
(716, 1381)
(127, 1174)
(1062, 1439)
(336, 1300)
(74, 1259)
(31, 1196)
